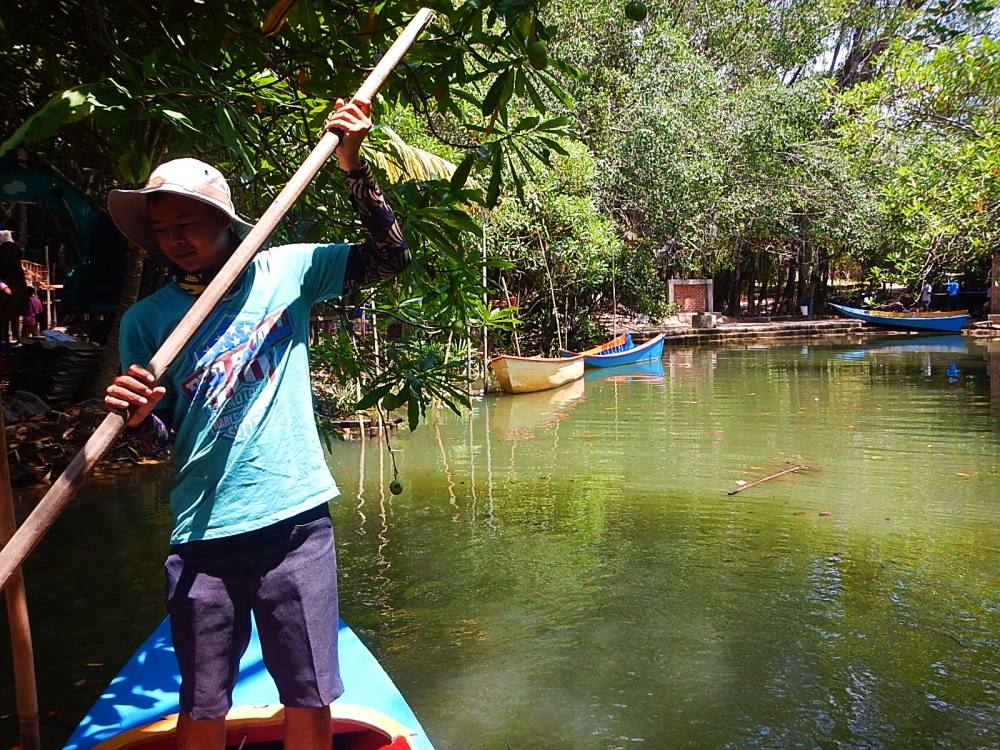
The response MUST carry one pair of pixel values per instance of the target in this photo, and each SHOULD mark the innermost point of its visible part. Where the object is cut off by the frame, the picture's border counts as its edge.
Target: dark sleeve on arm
(151, 438)
(136, 345)
(384, 253)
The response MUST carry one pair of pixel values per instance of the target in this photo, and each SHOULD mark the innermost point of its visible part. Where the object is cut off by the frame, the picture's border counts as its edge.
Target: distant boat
(909, 321)
(139, 708)
(652, 349)
(626, 354)
(530, 374)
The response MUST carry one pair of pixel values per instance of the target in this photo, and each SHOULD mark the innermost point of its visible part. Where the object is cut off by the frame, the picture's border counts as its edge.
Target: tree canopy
(772, 144)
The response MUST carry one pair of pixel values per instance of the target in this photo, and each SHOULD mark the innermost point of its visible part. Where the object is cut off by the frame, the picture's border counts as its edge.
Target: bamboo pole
(17, 615)
(49, 320)
(486, 339)
(552, 292)
(506, 291)
(62, 491)
(797, 467)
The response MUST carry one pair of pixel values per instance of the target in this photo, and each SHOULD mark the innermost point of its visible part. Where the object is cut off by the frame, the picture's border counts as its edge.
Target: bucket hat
(191, 178)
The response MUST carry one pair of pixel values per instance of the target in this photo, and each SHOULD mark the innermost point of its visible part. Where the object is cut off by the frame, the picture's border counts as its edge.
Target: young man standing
(252, 529)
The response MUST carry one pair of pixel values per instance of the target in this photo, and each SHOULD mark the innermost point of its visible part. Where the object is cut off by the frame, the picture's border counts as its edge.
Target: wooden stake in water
(797, 467)
(17, 614)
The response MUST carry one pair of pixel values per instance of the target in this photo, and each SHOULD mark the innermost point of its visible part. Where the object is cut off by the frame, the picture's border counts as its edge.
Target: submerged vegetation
(580, 153)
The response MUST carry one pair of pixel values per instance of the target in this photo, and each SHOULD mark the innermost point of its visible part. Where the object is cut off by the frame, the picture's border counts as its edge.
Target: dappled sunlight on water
(567, 570)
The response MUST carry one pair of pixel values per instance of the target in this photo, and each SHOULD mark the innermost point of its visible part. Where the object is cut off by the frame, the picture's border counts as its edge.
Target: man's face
(192, 234)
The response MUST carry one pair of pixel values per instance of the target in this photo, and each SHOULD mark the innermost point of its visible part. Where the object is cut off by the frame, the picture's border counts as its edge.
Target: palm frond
(401, 162)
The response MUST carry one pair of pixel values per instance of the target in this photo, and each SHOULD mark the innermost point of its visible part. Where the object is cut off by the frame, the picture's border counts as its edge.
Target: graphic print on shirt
(236, 365)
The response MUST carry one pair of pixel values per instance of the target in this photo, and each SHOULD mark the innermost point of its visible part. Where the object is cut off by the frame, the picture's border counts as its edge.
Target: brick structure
(692, 295)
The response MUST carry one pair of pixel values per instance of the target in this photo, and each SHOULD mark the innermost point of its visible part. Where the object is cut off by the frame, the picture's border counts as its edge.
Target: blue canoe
(138, 709)
(652, 349)
(933, 321)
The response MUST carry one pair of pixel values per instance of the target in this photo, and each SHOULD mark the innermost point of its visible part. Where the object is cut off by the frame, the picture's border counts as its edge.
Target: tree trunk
(752, 286)
(787, 300)
(107, 364)
(720, 291)
(733, 306)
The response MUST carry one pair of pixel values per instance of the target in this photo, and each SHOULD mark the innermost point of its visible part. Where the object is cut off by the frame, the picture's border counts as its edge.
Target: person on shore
(252, 529)
(925, 297)
(13, 297)
(29, 321)
(952, 289)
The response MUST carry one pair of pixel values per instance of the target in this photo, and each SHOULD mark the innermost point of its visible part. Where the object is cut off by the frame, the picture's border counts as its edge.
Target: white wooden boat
(530, 374)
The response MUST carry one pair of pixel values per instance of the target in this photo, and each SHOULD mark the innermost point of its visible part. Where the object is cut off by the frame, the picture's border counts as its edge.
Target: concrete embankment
(727, 332)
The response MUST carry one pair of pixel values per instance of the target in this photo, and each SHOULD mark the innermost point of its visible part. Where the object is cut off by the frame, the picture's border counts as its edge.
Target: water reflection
(649, 372)
(518, 416)
(994, 365)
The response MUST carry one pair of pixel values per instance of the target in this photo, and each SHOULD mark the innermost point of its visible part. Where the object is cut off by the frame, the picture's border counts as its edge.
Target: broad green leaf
(461, 175)
(496, 178)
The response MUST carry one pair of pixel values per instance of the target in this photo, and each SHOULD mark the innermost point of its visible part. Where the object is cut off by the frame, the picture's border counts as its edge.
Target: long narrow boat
(652, 349)
(138, 711)
(910, 321)
(530, 374)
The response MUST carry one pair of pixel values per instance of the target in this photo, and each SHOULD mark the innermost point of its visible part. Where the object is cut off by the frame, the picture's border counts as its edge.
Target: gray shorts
(286, 574)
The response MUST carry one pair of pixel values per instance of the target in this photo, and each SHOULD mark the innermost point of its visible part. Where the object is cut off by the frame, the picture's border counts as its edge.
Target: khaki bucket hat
(191, 178)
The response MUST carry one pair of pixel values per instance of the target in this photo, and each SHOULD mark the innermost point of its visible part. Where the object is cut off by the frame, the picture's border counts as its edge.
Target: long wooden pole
(797, 467)
(62, 491)
(17, 615)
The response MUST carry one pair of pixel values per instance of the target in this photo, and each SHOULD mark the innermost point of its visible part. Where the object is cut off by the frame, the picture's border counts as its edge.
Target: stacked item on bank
(53, 368)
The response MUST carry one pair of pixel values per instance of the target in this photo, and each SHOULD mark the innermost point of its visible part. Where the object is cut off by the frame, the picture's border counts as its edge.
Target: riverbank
(728, 330)
(39, 447)
(739, 330)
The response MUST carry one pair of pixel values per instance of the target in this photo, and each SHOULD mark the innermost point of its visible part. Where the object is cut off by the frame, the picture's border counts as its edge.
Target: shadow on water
(565, 569)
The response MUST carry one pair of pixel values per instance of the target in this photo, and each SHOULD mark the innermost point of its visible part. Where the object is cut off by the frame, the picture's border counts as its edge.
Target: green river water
(566, 569)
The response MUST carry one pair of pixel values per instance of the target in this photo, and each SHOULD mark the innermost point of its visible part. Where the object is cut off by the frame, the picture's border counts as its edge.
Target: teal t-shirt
(238, 396)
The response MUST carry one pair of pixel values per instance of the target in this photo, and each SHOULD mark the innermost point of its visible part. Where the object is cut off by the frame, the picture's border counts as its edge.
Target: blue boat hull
(146, 689)
(649, 371)
(949, 323)
(652, 349)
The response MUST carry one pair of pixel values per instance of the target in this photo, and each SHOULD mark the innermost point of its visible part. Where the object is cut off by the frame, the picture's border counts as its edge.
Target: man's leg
(307, 728)
(296, 611)
(210, 627)
(200, 734)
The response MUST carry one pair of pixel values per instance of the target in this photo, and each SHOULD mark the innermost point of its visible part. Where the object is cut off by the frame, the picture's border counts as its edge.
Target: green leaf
(526, 123)
(66, 106)
(413, 413)
(461, 175)
(556, 89)
(492, 99)
(372, 397)
(180, 118)
(493, 193)
(395, 400)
